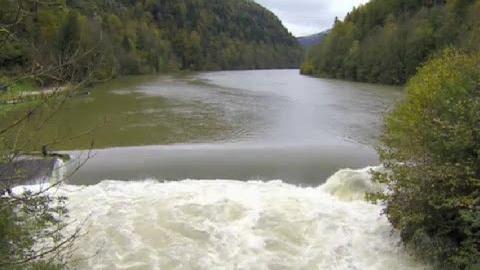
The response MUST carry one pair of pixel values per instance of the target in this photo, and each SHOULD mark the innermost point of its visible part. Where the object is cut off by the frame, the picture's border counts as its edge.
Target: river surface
(230, 170)
(242, 125)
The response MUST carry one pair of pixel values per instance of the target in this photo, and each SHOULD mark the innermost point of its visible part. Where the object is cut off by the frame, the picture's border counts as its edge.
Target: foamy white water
(222, 224)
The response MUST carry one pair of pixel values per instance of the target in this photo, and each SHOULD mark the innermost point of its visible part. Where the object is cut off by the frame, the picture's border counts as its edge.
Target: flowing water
(283, 140)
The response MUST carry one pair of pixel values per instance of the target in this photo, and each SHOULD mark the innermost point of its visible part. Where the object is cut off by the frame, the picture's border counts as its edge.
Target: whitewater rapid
(225, 224)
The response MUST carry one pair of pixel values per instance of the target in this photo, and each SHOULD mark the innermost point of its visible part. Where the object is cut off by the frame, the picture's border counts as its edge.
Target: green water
(115, 114)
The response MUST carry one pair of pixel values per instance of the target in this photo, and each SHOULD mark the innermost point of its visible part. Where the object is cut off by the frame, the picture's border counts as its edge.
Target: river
(230, 170)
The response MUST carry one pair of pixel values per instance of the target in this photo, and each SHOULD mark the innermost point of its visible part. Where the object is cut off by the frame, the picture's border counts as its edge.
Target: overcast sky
(305, 17)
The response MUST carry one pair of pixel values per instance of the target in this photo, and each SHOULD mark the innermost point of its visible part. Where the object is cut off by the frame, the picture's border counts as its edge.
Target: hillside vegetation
(386, 41)
(107, 38)
(430, 149)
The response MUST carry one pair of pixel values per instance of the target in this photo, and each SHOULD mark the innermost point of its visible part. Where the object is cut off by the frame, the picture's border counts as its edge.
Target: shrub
(431, 148)
(307, 69)
(30, 232)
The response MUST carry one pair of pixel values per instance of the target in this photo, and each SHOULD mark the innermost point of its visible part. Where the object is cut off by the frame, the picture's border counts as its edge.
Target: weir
(31, 170)
(303, 165)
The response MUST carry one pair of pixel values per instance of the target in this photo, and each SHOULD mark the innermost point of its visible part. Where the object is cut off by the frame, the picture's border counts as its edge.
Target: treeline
(386, 41)
(106, 38)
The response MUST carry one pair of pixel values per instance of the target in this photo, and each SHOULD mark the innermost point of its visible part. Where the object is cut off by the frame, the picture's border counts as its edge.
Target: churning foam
(349, 185)
(220, 224)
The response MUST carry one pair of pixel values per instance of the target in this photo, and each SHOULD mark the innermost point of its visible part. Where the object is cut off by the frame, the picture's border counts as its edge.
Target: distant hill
(312, 40)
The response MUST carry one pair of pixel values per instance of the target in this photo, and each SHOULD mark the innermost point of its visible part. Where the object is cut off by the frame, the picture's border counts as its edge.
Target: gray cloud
(304, 17)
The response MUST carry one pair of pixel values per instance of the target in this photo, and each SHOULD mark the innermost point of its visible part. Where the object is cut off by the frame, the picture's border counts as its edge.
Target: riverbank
(20, 96)
(23, 95)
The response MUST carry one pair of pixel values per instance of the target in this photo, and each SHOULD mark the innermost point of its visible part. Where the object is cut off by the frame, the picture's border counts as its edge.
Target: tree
(391, 39)
(431, 151)
(69, 38)
(32, 223)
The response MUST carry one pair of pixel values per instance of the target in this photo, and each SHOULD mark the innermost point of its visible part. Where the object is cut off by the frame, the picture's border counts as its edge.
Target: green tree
(431, 152)
(69, 38)
(386, 41)
(32, 223)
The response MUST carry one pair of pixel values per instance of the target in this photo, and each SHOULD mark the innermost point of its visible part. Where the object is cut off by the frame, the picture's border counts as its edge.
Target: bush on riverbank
(26, 221)
(32, 223)
(431, 146)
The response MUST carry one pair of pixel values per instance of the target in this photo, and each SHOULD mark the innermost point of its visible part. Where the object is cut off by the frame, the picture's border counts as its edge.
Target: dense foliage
(34, 233)
(30, 232)
(431, 148)
(387, 40)
(112, 37)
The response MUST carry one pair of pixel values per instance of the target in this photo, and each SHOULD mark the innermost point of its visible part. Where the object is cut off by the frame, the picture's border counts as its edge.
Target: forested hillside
(387, 40)
(106, 38)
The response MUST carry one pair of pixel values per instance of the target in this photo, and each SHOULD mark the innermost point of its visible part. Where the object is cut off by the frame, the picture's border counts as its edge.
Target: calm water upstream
(243, 125)
(280, 142)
